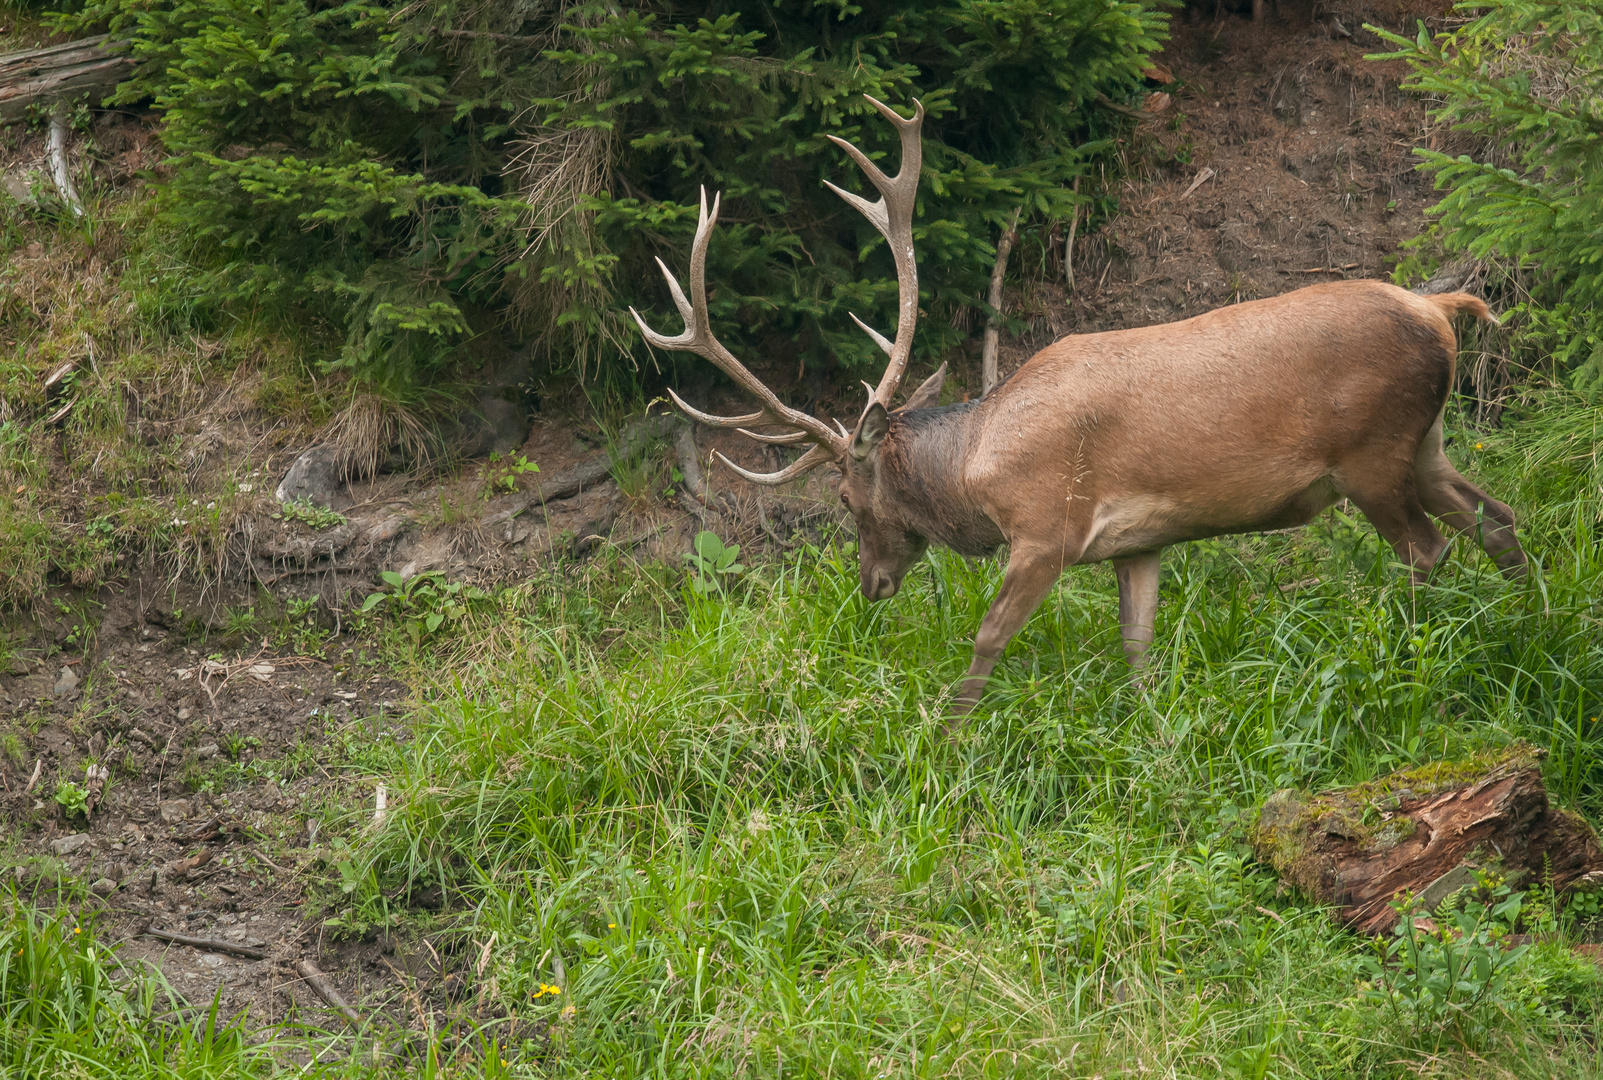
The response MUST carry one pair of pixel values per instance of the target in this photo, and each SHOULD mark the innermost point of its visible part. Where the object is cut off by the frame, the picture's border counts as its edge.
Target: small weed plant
(504, 473)
(1448, 972)
(423, 604)
(310, 514)
(712, 563)
(73, 800)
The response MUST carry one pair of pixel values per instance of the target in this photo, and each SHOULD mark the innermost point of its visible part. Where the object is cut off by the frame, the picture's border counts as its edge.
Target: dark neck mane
(921, 463)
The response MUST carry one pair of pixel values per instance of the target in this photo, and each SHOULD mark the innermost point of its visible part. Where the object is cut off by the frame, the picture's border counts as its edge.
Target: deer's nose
(879, 585)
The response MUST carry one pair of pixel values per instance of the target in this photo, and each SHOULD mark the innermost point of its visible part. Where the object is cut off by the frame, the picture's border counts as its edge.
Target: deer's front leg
(1138, 603)
(1029, 576)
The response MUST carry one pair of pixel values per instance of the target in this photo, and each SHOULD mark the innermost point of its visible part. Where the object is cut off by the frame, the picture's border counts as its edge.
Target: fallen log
(1428, 831)
(89, 66)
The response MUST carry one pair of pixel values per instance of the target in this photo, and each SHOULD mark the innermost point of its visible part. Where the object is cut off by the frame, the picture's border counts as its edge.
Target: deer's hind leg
(1465, 508)
(1391, 502)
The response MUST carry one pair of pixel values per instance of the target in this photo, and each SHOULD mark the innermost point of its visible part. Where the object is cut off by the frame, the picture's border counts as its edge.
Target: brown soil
(1282, 159)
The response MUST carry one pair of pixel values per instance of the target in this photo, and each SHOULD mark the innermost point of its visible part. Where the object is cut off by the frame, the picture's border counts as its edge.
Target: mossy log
(90, 66)
(1427, 831)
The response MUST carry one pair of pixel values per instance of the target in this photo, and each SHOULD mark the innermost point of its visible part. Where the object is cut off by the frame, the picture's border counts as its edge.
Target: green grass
(732, 827)
(70, 1007)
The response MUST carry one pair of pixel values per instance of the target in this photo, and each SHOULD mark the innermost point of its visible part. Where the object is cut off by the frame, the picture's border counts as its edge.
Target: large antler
(892, 215)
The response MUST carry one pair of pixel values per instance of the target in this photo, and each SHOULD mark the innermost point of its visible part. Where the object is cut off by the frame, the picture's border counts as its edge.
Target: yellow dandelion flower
(612, 926)
(556, 990)
(1480, 446)
(568, 1012)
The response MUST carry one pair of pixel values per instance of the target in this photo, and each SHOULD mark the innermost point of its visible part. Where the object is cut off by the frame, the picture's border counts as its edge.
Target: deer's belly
(1125, 525)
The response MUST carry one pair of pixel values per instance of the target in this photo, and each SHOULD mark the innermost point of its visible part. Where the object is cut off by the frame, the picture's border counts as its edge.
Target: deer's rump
(1251, 417)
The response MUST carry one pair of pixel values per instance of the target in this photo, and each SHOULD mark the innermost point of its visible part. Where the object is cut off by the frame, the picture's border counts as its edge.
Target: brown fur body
(1113, 446)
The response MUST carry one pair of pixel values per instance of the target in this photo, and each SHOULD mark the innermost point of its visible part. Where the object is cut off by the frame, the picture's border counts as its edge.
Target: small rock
(104, 887)
(67, 845)
(255, 942)
(173, 811)
(184, 713)
(17, 185)
(67, 683)
(235, 933)
(18, 667)
(212, 960)
(206, 751)
(315, 477)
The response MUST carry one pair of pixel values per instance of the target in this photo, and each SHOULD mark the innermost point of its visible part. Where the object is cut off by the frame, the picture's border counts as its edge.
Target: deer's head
(885, 550)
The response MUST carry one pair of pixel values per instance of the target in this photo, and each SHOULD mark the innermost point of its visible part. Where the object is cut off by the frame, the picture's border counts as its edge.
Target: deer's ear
(870, 430)
(928, 393)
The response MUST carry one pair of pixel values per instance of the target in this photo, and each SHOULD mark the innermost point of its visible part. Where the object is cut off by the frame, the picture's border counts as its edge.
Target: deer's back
(1219, 418)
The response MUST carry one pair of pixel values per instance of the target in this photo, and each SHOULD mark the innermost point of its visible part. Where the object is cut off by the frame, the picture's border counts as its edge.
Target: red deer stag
(1115, 445)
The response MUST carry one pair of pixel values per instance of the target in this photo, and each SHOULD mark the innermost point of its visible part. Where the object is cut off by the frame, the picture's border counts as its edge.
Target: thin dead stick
(34, 779)
(1202, 177)
(993, 329)
(270, 864)
(325, 990)
(1074, 226)
(249, 952)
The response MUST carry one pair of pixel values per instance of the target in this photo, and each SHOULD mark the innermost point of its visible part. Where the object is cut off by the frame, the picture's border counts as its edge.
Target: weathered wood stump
(40, 76)
(1426, 830)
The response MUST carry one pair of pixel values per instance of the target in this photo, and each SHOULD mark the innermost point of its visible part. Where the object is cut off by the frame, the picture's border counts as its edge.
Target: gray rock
(493, 426)
(104, 887)
(18, 667)
(68, 845)
(212, 960)
(18, 183)
(206, 751)
(67, 683)
(315, 477)
(173, 811)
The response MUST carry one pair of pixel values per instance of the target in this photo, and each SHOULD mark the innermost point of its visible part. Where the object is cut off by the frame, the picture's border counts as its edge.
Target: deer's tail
(1458, 303)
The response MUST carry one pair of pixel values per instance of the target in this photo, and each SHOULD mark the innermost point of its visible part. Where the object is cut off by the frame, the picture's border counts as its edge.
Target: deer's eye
(844, 501)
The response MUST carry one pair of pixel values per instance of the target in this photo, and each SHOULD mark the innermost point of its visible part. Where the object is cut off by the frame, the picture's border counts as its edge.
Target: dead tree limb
(56, 153)
(89, 66)
(993, 325)
(1427, 831)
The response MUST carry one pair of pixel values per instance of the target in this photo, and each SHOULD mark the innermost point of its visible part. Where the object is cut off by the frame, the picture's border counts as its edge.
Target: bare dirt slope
(1281, 159)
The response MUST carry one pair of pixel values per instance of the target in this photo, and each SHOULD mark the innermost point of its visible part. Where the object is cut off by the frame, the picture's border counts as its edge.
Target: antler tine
(777, 440)
(715, 421)
(813, 458)
(892, 215)
(879, 338)
(699, 338)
